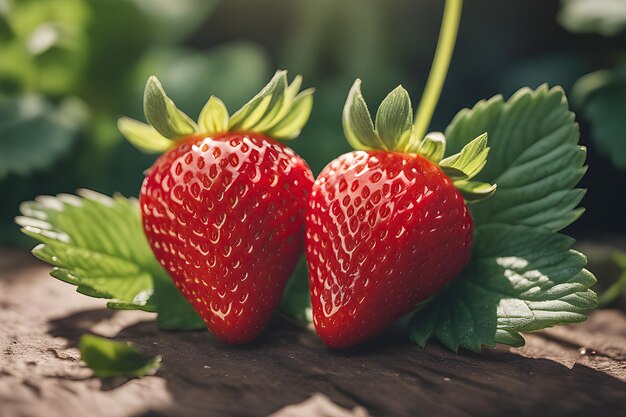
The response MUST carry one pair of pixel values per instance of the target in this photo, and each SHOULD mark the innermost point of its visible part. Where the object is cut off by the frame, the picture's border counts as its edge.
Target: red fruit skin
(384, 231)
(224, 216)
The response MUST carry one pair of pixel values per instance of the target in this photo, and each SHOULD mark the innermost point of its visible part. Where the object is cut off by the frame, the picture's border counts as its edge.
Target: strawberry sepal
(394, 132)
(280, 110)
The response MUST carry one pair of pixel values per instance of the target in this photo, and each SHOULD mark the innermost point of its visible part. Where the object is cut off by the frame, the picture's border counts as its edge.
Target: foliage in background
(606, 17)
(224, 48)
(69, 68)
(601, 95)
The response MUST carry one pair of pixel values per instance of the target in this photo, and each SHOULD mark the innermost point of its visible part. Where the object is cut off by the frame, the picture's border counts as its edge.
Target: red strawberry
(386, 228)
(224, 211)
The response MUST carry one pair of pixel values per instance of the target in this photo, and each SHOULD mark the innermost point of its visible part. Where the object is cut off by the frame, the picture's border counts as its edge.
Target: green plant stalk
(439, 69)
(614, 291)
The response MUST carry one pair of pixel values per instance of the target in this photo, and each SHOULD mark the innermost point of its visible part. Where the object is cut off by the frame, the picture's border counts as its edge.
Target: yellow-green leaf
(143, 136)
(214, 117)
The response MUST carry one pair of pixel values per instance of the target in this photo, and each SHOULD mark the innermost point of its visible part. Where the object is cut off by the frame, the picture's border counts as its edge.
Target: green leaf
(108, 358)
(394, 118)
(277, 110)
(523, 275)
(34, 134)
(471, 160)
(253, 110)
(143, 136)
(292, 123)
(534, 158)
(296, 301)
(520, 279)
(214, 117)
(162, 113)
(357, 122)
(601, 96)
(97, 243)
(179, 314)
(606, 17)
(433, 147)
(475, 191)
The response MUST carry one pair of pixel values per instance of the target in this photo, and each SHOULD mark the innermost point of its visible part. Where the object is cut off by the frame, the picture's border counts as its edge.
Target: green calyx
(394, 132)
(280, 110)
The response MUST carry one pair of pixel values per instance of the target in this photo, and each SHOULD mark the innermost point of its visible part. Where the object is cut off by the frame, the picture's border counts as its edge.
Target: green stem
(439, 69)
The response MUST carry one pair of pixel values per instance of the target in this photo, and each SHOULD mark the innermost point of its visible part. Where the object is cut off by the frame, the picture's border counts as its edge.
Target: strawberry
(387, 225)
(223, 208)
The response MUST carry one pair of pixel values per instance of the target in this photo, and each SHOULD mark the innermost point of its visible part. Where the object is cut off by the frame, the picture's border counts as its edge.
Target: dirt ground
(564, 371)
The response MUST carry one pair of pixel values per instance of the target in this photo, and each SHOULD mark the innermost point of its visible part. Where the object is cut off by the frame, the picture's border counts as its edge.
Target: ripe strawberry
(386, 227)
(223, 208)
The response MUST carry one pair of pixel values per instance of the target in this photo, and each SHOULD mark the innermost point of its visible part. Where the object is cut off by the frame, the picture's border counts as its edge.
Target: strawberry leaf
(535, 158)
(97, 243)
(520, 279)
(108, 358)
(523, 276)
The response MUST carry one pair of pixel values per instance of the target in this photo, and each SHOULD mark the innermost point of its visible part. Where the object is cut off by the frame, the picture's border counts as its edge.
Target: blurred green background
(70, 68)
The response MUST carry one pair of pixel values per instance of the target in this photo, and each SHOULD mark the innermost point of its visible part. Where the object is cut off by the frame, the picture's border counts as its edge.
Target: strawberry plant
(222, 209)
(460, 229)
(386, 230)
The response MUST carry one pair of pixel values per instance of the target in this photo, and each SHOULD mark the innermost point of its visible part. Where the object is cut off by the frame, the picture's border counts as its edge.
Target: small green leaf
(433, 147)
(534, 158)
(474, 191)
(162, 113)
(296, 301)
(520, 279)
(253, 111)
(143, 136)
(472, 158)
(214, 117)
(357, 122)
(97, 243)
(108, 358)
(277, 103)
(290, 126)
(394, 118)
(278, 110)
(286, 106)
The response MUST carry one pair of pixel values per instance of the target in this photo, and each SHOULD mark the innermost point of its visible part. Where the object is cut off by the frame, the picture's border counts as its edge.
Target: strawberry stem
(439, 69)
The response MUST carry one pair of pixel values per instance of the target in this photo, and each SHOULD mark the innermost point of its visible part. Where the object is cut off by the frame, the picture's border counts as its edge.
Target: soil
(564, 371)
